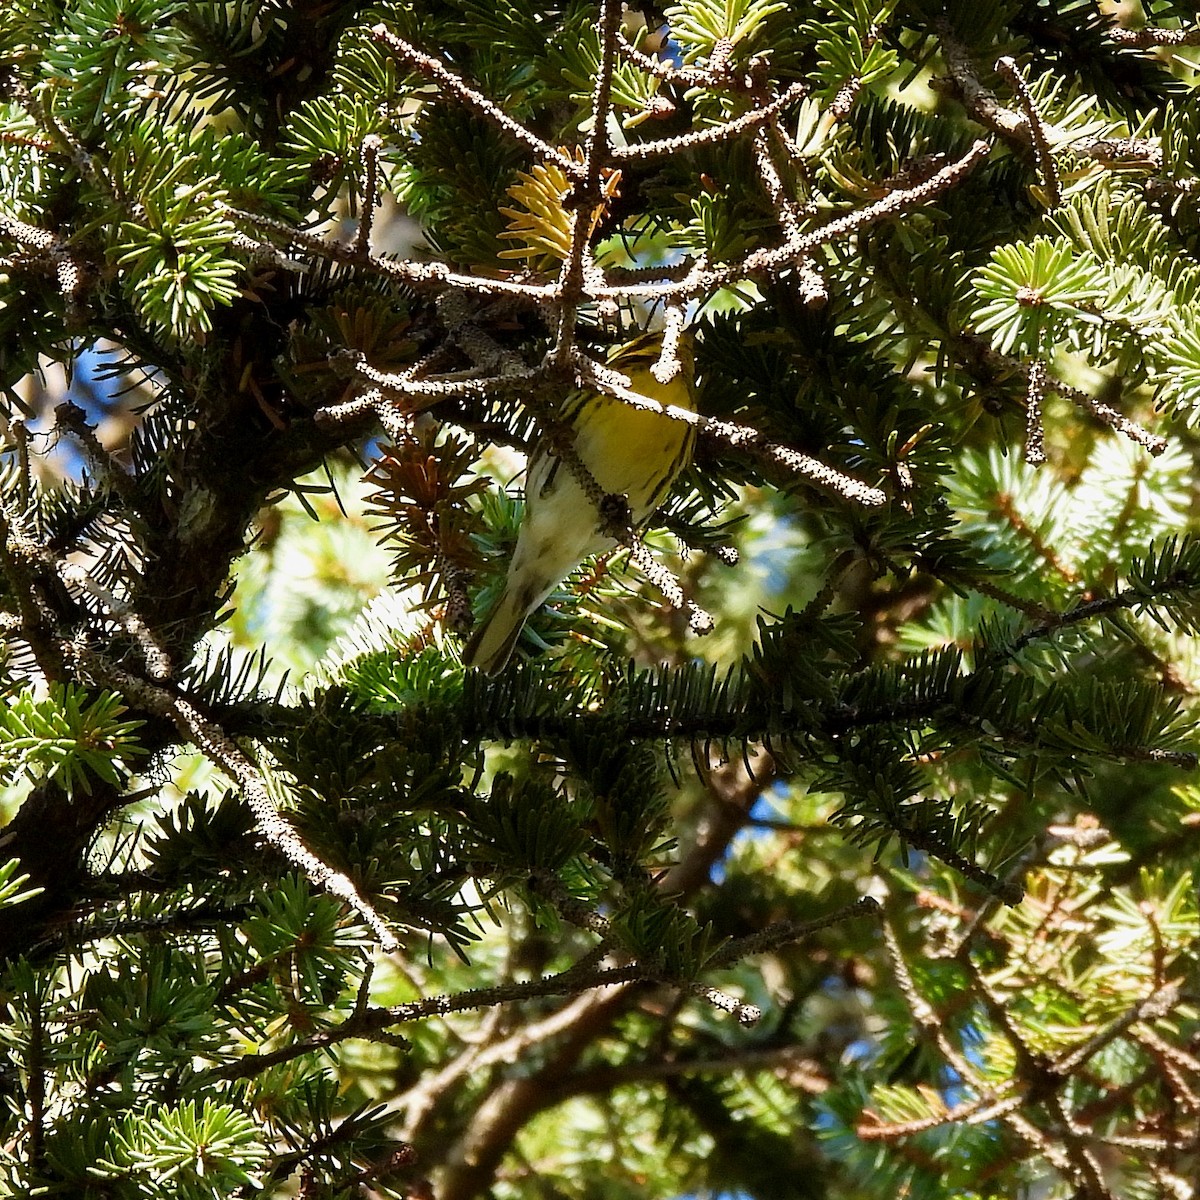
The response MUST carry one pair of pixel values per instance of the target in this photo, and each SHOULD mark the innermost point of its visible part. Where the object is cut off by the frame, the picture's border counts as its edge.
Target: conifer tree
(831, 836)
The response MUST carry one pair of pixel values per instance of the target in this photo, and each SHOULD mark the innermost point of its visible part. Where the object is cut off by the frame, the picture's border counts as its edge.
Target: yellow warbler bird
(630, 452)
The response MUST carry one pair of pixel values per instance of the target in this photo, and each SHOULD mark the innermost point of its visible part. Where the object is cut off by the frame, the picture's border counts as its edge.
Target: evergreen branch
(1087, 610)
(158, 662)
(700, 622)
(928, 1019)
(405, 384)
(48, 254)
(732, 789)
(598, 150)
(1040, 1142)
(350, 413)
(1151, 1008)
(1176, 1064)
(670, 365)
(964, 85)
(768, 260)
(212, 741)
(786, 210)
(457, 87)
(63, 140)
(1122, 154)
(978, 356)
(128, 565)
(1157, 189)
(362, 1122)
(35, 619)
(11, 138)
(1042, 1085)
(985, 587)
(27, 235)
(673, 271)
(203, 916)
(1184, 759)
(156, 659)
(261, 253)
(430, 275)
(374, 1021)
(960, 942)
(546, 883)
(982, 1109)
(495, 1046)
(497, 1118)
(1124, 1142)
(922, 1012)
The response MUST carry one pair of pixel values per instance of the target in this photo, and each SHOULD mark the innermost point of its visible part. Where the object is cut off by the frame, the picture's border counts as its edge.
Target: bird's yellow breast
(636, 452)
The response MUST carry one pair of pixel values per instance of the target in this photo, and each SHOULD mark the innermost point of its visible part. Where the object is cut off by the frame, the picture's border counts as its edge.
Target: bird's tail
(492, 644)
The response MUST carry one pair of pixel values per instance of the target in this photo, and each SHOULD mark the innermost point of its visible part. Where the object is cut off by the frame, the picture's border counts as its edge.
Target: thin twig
(587, 196)
(700, 622)
(157, 661)
(745, 1014)
(1151, 1008)
(1110, 416)
(785, 208)
(784, 933)
(71, 417)
(1037, 131)
(842, 103)
(790, 1059)
(546, 883)
(975, 1112)
(714, 135)
(432, 275)
(745, 437)
(1010, 892)
(453, 84)
(712, 76)
(771, 259)
(669, 364)
(1149, 37)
